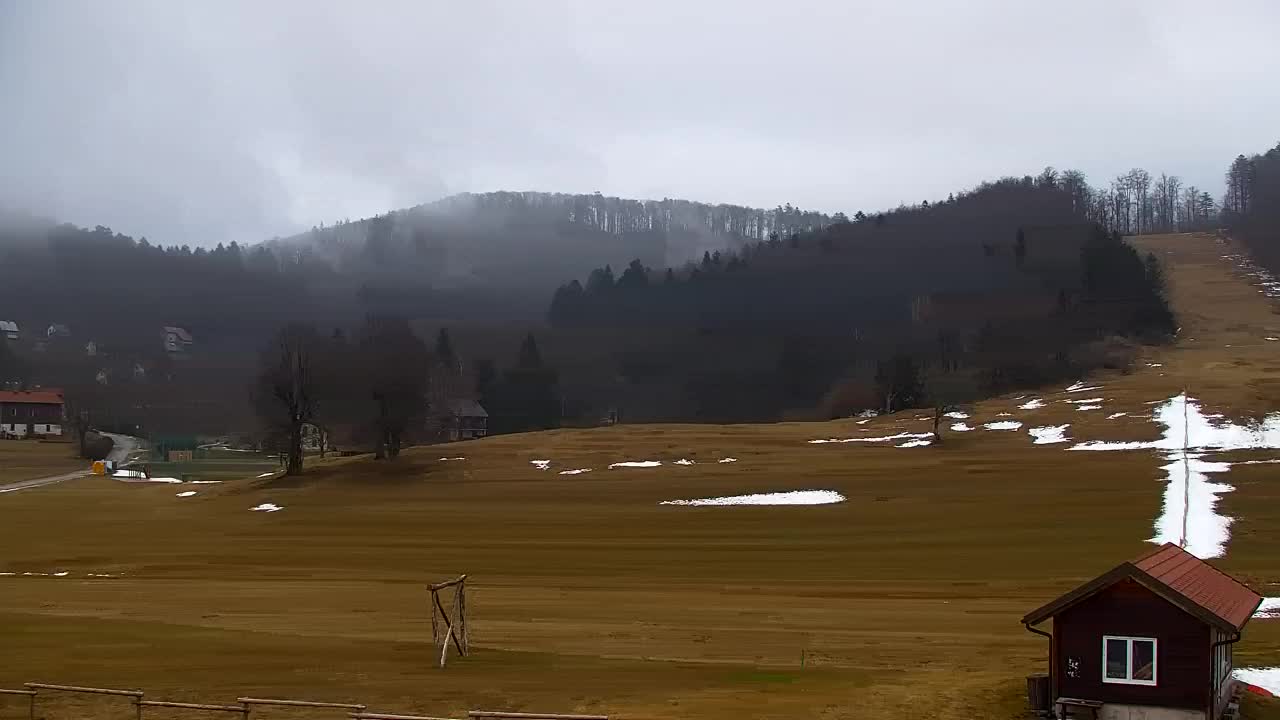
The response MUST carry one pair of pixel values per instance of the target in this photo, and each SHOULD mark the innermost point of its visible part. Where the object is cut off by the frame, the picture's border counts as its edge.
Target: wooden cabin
(1150, 639)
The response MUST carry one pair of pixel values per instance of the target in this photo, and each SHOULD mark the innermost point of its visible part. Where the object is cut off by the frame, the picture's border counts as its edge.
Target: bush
(1112, 353)
(97, 446)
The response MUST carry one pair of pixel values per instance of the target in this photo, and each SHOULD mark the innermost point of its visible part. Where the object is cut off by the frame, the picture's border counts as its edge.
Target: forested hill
(1019, 282)
(530, 240)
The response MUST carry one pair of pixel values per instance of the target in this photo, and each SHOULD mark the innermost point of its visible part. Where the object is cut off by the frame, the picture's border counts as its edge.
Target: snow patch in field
(101, 575)
(960, 427)
(207, 482)
(1270, 608)
(579, 471)
(864, 422)
(886, 438)
(957, 415)
(684, 461)
(541, 464)
(1004, 414)
(1034, 404)
(267, 474)
(727, 460)
(266, 507)
(636, 464)
(1266, 678)
(450, 459)
(1115, 415)
(915, 443)
(1088, 407)
(139, 476)
(61, 573)
(1086, 401)
(188, 493)
(1189, 516)
(1049, 434)
(1272, 339)
(1003, 425)
(794, 497)
(1080, 386)
(1155, 365)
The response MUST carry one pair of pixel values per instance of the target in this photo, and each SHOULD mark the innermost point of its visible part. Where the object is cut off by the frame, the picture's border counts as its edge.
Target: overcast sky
(205, 121)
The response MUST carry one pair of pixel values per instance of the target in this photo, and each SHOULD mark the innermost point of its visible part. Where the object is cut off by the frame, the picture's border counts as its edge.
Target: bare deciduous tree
(395, 365)
(286, 388)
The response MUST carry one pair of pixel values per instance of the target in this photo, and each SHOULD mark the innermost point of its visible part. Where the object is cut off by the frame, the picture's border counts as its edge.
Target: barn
(31, 412)
(1149, 639)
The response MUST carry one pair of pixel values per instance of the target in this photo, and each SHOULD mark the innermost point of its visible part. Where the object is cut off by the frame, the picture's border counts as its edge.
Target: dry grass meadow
(586, 595)
(28, 459)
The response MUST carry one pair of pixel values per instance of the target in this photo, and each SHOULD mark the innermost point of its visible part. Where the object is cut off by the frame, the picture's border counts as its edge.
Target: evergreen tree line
(1019, 274)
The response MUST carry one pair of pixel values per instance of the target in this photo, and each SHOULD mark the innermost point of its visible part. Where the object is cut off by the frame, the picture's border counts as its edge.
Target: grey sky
(203, 121)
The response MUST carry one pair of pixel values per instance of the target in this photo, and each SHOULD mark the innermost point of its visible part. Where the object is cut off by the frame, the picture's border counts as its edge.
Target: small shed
(9, 330)
(1149, 639)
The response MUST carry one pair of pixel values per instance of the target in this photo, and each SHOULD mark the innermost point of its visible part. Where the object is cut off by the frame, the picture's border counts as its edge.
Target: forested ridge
(525, 241)
(1015, 283)
(679, 310)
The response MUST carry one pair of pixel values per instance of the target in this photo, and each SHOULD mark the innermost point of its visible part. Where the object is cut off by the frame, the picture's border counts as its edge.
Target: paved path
(125, 446)
(38, 482)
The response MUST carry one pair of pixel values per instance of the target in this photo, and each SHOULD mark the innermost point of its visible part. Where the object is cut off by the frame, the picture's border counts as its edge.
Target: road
(125, 446)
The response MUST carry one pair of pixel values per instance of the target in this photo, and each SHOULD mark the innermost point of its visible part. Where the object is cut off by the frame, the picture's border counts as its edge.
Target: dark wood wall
(27, 413)
(1183, 672)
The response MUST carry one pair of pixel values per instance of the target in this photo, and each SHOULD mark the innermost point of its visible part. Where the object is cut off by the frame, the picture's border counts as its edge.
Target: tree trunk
(380, 452)
(294, 465)
(937, 421)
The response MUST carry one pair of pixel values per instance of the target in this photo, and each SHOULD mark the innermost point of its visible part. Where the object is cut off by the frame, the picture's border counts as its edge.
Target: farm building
(1150, 639)
(9, 330)
(31, 412)
(467, 420)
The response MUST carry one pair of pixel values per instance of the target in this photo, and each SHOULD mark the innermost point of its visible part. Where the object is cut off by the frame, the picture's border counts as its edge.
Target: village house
(467, 420)
(24, 413)
(9, 330)
(176, 340)
(57, 330)
(1150, 639)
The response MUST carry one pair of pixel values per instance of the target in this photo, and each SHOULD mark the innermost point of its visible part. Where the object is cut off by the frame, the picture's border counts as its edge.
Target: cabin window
(1128, 660)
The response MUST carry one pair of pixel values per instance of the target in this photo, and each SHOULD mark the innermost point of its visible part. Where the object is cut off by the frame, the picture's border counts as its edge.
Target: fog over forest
(199, 123)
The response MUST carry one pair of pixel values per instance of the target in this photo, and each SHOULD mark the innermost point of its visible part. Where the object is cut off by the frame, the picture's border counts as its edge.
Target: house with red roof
(1149, 639)
(31, 412)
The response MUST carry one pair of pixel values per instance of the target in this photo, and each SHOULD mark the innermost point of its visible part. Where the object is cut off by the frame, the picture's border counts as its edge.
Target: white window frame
(1129, 679)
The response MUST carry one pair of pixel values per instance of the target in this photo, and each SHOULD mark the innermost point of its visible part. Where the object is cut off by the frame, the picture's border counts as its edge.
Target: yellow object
(99, 467)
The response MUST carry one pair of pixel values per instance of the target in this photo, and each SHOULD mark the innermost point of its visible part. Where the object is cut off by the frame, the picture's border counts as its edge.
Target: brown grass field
(29, 459)
(586, 595)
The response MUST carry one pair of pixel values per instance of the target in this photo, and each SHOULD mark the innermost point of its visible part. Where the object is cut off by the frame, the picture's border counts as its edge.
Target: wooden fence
(245, 705)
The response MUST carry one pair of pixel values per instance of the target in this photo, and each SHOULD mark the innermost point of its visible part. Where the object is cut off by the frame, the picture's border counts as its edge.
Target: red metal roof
(1200, 582)
(39, 397)
(1179, 577)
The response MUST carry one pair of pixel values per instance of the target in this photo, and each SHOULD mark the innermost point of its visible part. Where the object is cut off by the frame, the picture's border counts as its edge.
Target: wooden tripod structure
(449, 627)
